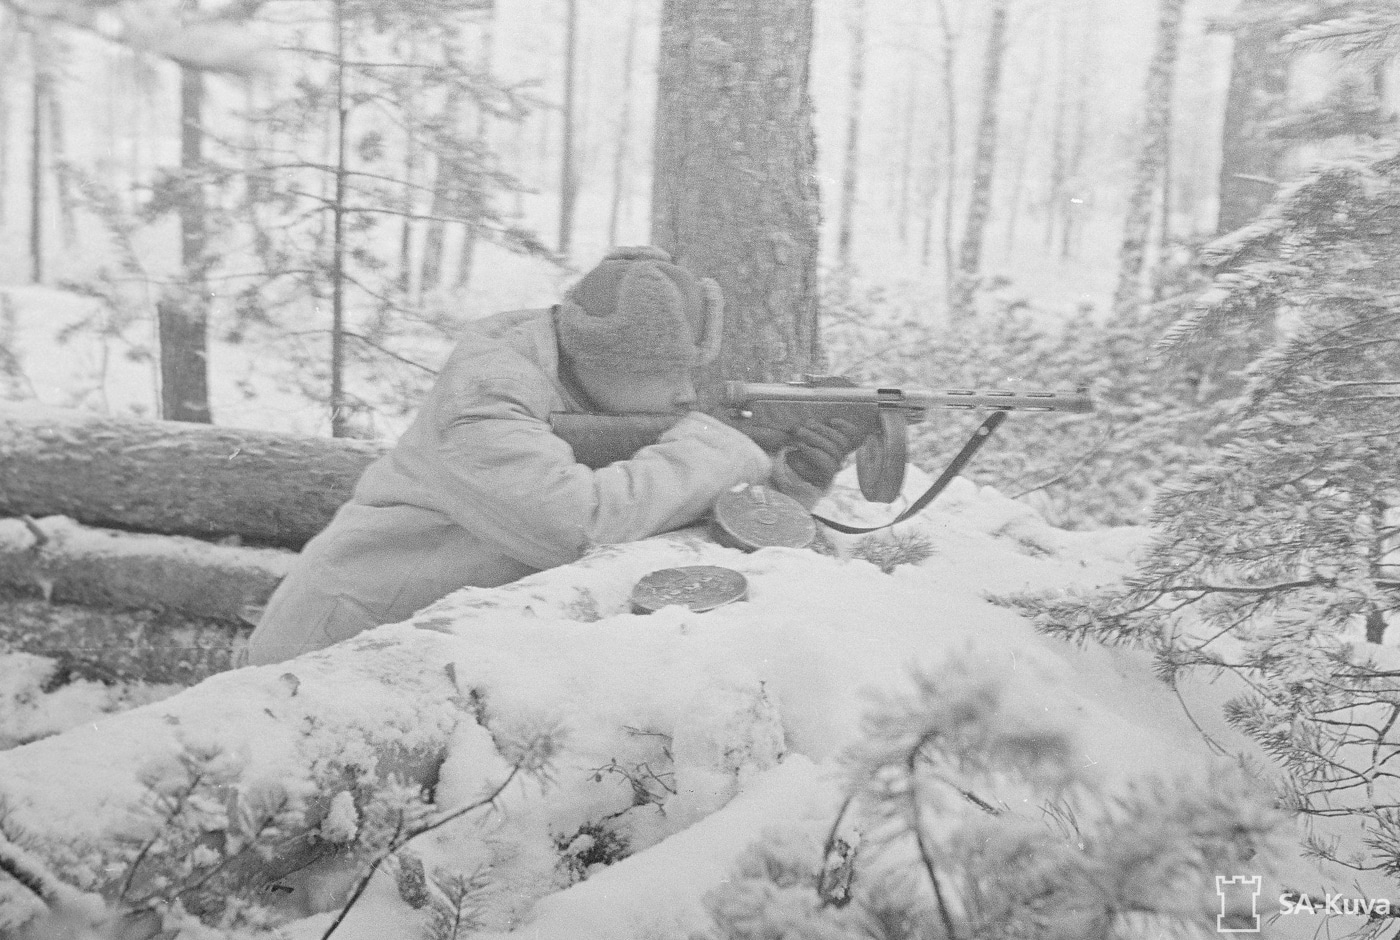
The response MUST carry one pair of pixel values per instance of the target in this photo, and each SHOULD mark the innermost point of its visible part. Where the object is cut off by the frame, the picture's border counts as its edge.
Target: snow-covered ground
(734, 720)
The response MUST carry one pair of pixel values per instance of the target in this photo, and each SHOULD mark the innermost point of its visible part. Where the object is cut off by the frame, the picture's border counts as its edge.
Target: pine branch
(402, 837)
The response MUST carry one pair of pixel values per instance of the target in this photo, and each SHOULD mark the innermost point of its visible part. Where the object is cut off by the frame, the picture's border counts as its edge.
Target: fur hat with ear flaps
(637, 313)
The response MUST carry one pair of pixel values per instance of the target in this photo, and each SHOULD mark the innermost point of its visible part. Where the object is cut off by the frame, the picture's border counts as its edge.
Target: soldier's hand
(821, 447)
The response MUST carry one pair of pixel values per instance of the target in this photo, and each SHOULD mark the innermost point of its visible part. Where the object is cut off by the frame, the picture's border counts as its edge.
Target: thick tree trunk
(175, 478)
(850, 175)
(184, 315)
(1151, 158)
(1250, 159)
(734, 190)
(984, 164)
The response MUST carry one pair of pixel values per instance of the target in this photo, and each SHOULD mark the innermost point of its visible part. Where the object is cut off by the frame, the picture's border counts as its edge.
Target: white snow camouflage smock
(480, 492)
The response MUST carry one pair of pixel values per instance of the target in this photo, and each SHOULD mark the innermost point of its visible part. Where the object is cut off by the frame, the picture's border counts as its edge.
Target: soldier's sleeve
(516, 483)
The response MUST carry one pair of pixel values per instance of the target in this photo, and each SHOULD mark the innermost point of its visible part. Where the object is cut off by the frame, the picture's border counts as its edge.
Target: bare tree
(37, 91)
(734, 194)
(1028, 138)
(624, 123)
(850, 175)
(949, 63)
(568, 173)
(1152, 156)
(984, 164)
(909, 120)
(182, 314)
(7, 57)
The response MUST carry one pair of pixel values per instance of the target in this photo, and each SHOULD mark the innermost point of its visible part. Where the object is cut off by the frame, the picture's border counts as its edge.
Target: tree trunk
(340, 418)
(1251, 160)
(950, 144)
(8, 51)
(1151, 158)
(183, 315)
(58, 147)
(409, 180)
(734, 188)
(444, 184)
(984, 164)
(175, 478)
(624, 124)
(1059, 133)
(914, 94)
(1028, 136)
(472, 231)
(568, 175)
(62, 561)
(850, 176)
(36, 158)
(1076, 207)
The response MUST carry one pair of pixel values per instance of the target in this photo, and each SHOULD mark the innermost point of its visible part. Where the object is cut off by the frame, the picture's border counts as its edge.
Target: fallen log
(113, 646)
(173, 477)
(59, 560)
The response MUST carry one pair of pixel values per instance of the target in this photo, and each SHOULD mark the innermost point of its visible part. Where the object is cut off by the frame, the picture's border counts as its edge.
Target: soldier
(479, 491)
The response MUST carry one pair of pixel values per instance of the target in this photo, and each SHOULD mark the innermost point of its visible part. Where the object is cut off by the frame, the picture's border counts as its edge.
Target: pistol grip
(881, 459)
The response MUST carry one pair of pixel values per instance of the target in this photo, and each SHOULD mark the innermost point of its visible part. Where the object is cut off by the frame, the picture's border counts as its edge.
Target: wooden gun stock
(601, 439)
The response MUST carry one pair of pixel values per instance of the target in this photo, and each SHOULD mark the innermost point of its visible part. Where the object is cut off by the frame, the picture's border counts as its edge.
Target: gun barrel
(739, 394)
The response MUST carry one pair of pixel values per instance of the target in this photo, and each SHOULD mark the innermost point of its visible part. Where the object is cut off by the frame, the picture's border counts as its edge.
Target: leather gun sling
(969, 450)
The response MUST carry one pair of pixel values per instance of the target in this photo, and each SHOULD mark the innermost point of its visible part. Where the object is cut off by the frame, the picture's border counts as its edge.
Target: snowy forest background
(1190, 206)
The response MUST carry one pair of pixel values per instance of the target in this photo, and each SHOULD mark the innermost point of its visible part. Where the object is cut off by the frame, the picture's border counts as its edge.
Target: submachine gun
(601, 439)
(756, 516)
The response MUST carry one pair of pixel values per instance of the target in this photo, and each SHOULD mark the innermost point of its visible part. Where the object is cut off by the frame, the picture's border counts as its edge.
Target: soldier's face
(615, 393)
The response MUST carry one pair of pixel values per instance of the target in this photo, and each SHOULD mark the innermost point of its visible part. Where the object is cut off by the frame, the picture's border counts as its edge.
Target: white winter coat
(479, 491)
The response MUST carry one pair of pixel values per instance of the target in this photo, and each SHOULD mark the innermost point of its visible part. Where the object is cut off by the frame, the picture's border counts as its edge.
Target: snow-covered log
(176, 478)
(118, 646)
(120, 606)
(63, 561)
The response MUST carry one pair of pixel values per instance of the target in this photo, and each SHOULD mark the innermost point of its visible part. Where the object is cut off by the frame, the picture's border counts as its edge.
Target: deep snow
(743, 711)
